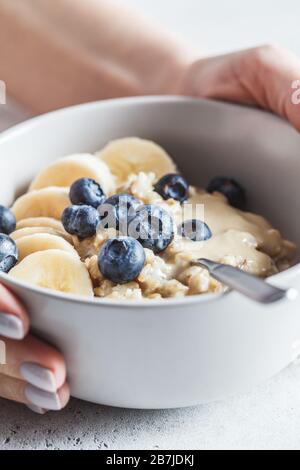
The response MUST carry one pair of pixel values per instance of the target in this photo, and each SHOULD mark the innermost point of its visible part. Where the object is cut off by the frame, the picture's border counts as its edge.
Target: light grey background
(221, 26)
(267, 418)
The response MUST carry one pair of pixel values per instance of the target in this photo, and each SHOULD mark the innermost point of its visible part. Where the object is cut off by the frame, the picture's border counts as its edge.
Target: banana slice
(46, 202)
(55, 269)
(66, 170)
(132, 155)
(24, 232)
(40, 222)
(41, 242)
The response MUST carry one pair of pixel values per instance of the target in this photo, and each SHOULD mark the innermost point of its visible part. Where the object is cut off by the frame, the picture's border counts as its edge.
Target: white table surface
(266, 418)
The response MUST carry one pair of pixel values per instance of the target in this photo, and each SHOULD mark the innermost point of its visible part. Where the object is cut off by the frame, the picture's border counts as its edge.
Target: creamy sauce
(241, 239)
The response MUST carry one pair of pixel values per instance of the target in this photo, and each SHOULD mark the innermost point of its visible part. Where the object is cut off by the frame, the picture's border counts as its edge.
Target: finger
(12, 389)
(14, 322)
(215, 77)
(35, 362)
(278, 72)
(21, 392)
(47, 400)
(266, 76)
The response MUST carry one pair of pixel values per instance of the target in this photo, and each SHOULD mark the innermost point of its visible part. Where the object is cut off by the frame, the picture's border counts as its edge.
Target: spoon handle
(251, 286)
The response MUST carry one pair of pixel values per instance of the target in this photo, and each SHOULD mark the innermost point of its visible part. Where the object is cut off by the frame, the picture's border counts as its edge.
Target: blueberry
(195, 230)
(173, 186)
(153, 227)
(234, 192)
(118, 210)
(81, 221)
(88, 192)
(8, 253)
(121, 259)
(7, 221)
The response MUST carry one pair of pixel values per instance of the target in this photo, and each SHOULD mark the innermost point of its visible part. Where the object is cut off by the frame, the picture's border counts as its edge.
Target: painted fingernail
(42, 399)
(37, 409)
(38, 376)
(11, 326)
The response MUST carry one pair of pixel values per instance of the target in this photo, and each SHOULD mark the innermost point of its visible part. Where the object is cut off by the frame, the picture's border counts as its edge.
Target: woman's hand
(34, 373)
(267, 76)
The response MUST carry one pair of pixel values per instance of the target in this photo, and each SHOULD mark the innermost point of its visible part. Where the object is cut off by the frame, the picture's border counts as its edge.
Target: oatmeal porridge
(125, 224)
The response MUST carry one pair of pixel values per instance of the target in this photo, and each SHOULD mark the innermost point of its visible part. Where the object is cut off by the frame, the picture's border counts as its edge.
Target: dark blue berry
(81, 221)
(7, 221)
(153, 227)
(195, 230)
(8, 253)
(173, 186)
(121, 259)
(118, 210)
(234, 192)
(88, 192)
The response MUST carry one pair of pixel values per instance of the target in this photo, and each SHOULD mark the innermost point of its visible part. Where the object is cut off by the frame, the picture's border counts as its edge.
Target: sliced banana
(24, 232)
(66, 170)
(55, 269)
(46, 202)
(133, 155)
(40, 222)
(42, 242)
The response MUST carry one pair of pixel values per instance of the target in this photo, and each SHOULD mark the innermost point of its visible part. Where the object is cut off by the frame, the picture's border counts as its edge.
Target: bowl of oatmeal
(104, 208)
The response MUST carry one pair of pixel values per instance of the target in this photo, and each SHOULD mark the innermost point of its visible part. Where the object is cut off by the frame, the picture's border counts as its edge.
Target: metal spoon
(251, 286)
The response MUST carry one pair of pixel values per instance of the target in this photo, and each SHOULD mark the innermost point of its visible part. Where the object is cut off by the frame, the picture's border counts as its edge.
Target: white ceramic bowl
(169, 353)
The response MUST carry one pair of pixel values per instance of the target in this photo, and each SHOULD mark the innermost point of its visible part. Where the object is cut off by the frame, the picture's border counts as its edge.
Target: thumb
(266, 76)
(278, 79)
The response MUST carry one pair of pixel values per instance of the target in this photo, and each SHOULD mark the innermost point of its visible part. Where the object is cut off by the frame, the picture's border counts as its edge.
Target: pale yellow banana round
(55, 269)
(40, 222)
(66, 170)
(42, 242)
(133, 155)
(46, 202)
(26, 231)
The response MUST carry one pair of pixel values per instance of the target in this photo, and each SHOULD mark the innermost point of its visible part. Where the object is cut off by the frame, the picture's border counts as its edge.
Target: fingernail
(37, 409)
(38, 376)
(42, 399)
(11, 326)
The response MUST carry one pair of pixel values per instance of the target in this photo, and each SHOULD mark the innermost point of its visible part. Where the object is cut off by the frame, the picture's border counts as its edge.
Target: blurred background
(216, 26)
(221, 26)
